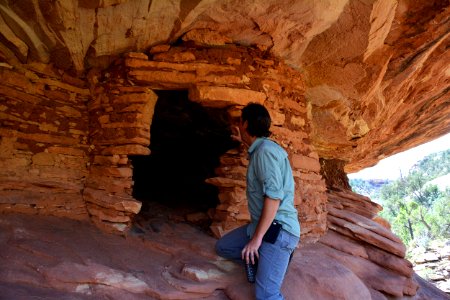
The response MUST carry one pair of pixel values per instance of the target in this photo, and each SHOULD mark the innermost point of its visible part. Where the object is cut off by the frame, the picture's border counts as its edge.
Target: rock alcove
(186, 142)
(366, 79)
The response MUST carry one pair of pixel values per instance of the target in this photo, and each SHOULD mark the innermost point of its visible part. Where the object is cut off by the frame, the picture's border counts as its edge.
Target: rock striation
(432, 263)
(347, 83)
(226, 78)
(44, 148)
(360, 240)
(370, 250)
(368, 66)
(55, 258)
(116, 114)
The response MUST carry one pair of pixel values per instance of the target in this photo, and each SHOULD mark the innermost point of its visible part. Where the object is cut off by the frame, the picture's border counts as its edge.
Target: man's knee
(220, 248)
(225, 250)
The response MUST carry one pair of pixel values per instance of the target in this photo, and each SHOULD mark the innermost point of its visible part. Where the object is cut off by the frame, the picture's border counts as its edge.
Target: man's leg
(231, 244)
(272, 266)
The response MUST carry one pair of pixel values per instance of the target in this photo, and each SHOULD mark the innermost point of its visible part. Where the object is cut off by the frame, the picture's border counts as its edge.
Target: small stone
(138, 55)
(197, 217)
(222, 96)
(159, 49)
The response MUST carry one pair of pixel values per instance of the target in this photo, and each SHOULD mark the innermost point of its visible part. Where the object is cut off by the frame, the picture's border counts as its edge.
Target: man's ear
(245, 125)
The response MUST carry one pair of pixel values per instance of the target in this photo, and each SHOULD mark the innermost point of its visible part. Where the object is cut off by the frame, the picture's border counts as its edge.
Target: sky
(390, 168)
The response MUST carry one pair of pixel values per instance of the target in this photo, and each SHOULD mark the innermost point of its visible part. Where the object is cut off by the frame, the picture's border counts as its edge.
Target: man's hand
(236, 134)
(269, 211)
(250, 250)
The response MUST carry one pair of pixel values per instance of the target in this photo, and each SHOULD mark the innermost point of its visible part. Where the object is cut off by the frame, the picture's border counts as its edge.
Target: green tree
(415, 184)
(434, 165)
(417, 210)
(440, 216)
(361, 186)
(398, 211)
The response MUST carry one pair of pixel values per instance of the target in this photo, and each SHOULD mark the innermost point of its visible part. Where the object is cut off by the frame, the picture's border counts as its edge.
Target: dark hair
(258, 119)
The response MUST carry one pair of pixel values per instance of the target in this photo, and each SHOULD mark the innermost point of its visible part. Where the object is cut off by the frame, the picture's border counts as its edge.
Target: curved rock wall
(368, 79)
(375, 76)
(44, 145)
(368, 66)
(64, 151)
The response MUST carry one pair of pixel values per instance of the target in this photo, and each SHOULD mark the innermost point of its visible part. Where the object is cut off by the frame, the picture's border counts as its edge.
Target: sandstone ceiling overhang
(377, 72)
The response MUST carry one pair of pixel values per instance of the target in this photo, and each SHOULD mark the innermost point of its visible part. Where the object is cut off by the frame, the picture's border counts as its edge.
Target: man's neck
(251, 139)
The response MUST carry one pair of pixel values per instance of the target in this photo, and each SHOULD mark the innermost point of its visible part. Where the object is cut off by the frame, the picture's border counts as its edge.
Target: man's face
(245, 136)
(242, 126)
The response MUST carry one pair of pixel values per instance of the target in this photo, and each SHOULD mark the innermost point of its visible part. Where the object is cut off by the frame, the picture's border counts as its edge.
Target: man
(270, 195)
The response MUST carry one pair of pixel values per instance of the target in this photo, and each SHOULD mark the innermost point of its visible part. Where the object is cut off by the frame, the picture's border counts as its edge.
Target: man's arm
(268, 213)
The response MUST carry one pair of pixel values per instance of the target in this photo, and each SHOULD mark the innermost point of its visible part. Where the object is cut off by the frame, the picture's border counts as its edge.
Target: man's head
(257, 118)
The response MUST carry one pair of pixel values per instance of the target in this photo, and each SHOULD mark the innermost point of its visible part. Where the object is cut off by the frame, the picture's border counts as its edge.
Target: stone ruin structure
(84, 172)
(346, 84)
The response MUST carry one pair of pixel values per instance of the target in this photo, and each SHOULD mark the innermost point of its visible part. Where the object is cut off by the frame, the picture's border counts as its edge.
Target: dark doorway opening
(186, 143)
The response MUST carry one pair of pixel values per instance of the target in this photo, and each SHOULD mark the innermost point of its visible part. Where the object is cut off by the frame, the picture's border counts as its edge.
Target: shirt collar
(255, 145)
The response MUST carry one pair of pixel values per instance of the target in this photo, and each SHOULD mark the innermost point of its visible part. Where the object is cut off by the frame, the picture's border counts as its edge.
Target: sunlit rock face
(376, 72)
(346, 82)
(375, 76)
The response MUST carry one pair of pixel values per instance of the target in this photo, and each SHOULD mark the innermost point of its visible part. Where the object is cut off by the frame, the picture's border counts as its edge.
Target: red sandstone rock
(137, 55)
(385, 259)
(305, 163)
(343, 244)
(206, 37)
(370, 237)
(126, 149)
(306, 271)
(359, 99)
(165, 264)
(222, 97)
(174, 56)
(159, 48)
(362, 206)
(195, 67)
(373, 275)
(365, 223)
(376, 255)
(120, 203)
(225, 182)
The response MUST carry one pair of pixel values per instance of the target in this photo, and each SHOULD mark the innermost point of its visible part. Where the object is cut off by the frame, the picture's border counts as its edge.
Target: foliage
(434, 165)
(370, 188)
(418, 211)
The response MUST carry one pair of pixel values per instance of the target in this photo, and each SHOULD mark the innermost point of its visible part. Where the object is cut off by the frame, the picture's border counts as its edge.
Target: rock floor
(433, 263)
(53, 258)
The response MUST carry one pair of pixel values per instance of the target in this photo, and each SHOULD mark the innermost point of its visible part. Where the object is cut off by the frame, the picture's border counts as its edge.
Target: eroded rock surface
(55, 258)
(433, 263)
(376, 72)
(348, 82)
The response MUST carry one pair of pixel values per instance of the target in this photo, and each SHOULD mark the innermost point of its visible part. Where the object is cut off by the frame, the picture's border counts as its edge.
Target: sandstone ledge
(165, 264)
(222, 96)
(365, 246)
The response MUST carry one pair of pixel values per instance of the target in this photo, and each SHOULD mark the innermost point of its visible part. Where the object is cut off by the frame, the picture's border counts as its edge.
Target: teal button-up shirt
(269, 174)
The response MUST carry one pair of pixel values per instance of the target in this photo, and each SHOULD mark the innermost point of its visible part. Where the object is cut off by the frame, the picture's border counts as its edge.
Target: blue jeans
(273, 259)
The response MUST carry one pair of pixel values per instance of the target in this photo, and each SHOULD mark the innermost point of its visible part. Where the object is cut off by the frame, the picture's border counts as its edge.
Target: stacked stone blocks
(119, 116)
(71, 139)
(43, 141)
(229, 78)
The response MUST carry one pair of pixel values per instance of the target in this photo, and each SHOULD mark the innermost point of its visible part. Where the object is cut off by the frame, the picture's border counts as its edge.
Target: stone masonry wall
(120, 116)
(229, 78)
(43, 141)
(64, 147)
